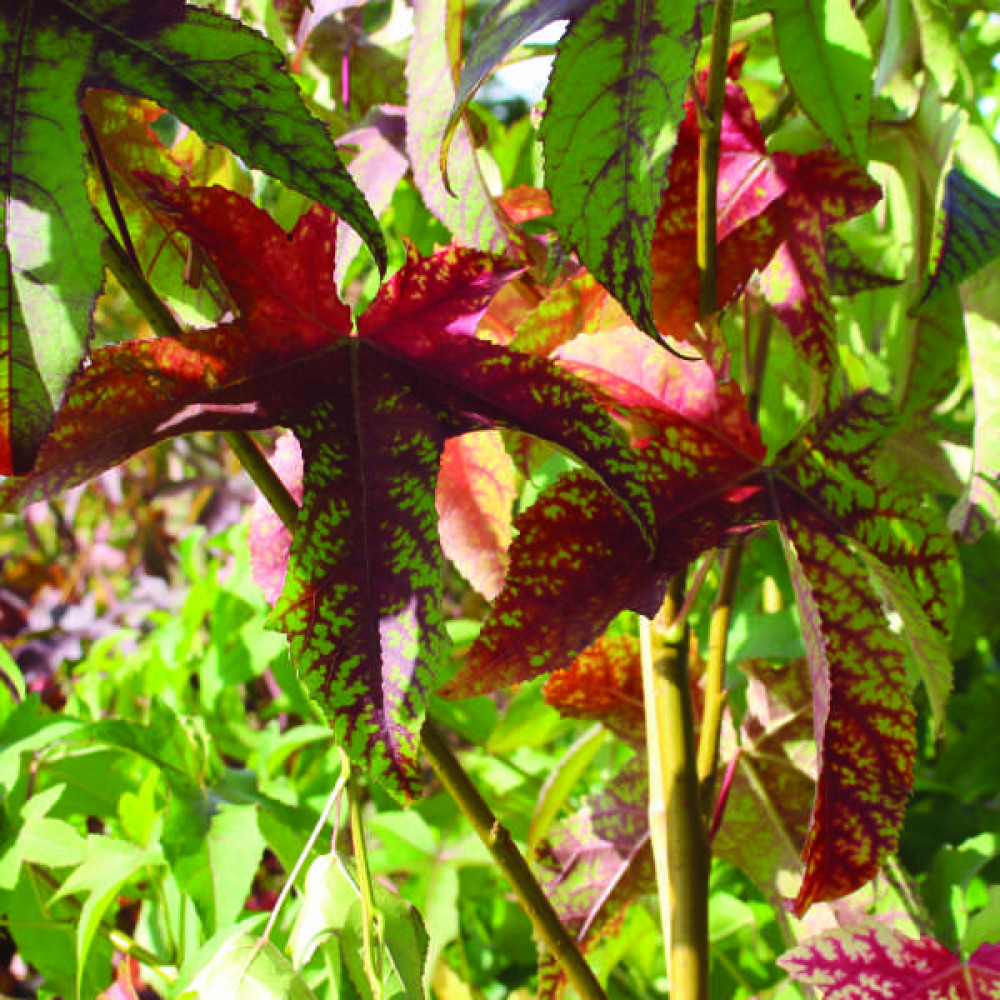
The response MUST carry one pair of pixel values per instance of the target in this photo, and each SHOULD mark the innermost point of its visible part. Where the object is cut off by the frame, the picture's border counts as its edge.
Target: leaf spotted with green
(863, 716)
(362, 595)
(577, 561)
(821, 190)
(362, 599)
(614, 99)
(879, 961)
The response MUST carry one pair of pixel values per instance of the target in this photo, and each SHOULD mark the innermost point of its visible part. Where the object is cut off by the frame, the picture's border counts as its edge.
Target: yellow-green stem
(677, 825)
(511, 862)
(708, 166)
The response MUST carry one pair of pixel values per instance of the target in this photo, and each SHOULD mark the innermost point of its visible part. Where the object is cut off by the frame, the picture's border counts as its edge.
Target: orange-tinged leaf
(603, 683)
(475, 496)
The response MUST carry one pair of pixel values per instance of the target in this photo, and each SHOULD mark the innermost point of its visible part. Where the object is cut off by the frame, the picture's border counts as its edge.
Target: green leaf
(41, 840)
(940, 47)
(214, 849)
(229, 84)
(465, 206)
(331, 906)
(51, 262)
(248, 968)
(966, 236)
(109, 864)
(615, 100)
(825, 55)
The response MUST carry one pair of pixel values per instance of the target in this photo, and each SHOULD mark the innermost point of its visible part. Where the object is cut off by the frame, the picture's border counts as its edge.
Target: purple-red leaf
(879, 961)
(577, 560)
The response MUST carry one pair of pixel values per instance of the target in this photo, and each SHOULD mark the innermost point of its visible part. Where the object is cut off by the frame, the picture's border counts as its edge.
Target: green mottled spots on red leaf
(879, 961)
(821, 190)
(863, 717)
(577, 560)
(604, 683)
(362, 597)
(905, 543)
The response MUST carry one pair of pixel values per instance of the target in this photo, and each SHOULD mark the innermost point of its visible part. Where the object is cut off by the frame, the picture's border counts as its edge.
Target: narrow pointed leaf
(228, 83)
(475, 496)
(506, 24)
(50, 263)
(825, 54)
(880, 961)
(863, 717)
(467, 209)
(615, 99)
(966, 235)
(905, 544)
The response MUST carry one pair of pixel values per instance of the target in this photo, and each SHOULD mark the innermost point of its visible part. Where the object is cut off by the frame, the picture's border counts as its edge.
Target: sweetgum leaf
(362, 595)
(577, 560)
(51, 265)
(475, 494)
(879, 961)
(966, 235)
(749, 226)
(863, 717)
(614, 101)
(822, 189)
(596, 863)
(825, 54)
(848, 273)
